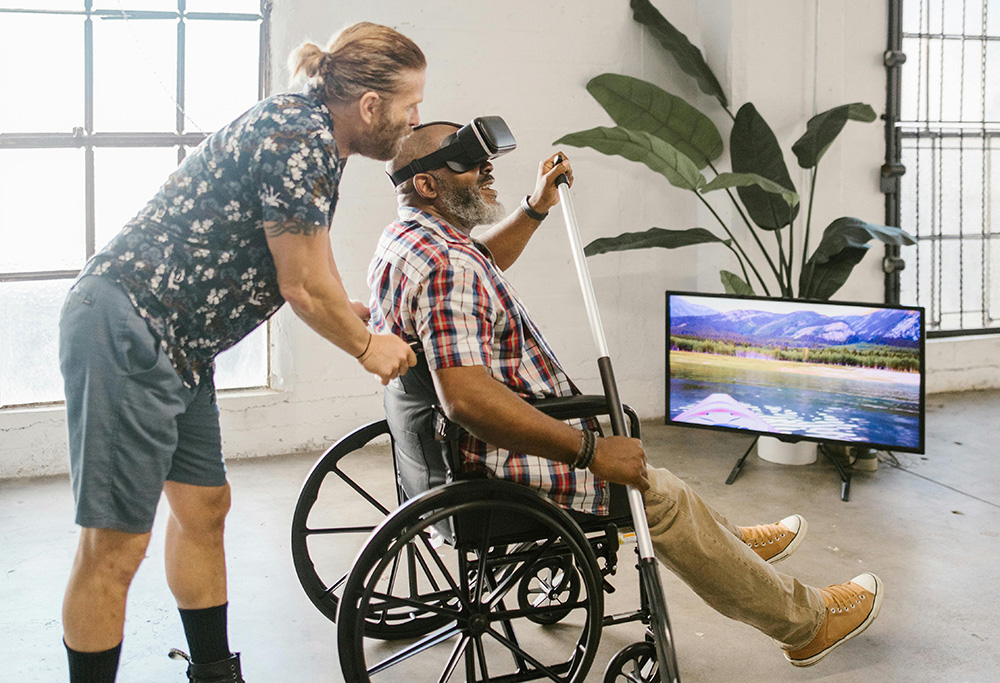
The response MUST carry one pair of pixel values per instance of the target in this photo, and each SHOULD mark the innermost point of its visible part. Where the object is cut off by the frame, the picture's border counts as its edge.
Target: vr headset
(485, 137)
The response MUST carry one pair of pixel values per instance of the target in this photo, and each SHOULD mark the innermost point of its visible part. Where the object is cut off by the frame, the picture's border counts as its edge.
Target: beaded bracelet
(587, 450)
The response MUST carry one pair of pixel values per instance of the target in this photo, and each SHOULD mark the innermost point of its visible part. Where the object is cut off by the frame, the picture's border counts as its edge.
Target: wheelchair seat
(425, 442)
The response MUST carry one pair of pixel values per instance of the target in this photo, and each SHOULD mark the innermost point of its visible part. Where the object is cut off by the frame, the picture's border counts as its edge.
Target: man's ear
(369, 105)
(425, 186)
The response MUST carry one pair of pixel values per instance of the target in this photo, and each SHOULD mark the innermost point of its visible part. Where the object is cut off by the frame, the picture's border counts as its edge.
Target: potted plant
(676, 140)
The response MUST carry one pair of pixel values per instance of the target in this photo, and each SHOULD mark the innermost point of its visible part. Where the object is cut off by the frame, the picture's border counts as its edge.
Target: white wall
(528, 62)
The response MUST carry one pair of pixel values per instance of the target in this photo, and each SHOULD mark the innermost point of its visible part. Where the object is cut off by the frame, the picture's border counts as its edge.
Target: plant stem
(812, 195)
(750, 227)
(737, 244)
(746, 277)
(785, 266)
(791, 254)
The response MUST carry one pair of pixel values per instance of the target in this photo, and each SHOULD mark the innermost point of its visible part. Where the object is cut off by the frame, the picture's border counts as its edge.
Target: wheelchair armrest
(566, 407)
(558, 407)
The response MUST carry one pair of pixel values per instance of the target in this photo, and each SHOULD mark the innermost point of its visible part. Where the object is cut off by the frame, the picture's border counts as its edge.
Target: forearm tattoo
(292, 227)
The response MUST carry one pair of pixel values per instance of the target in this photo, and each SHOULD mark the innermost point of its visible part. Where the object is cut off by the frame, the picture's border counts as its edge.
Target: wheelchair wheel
(635, 663)
(323, 548)
(550, 583)
(473, 586)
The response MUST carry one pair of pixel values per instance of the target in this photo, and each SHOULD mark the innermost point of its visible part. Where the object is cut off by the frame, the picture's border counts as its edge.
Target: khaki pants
(705, 551)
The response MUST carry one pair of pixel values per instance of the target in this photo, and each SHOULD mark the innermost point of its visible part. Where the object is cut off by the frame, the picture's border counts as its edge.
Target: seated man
(434, 284)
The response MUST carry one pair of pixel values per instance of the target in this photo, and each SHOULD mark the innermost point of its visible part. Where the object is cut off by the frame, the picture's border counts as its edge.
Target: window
(949, 140)
(101, 99)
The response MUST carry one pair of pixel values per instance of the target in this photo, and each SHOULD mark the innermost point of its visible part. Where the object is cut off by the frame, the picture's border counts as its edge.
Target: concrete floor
(931, 530)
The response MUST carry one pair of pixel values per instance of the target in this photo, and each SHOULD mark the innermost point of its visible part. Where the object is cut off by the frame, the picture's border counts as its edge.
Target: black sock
(207, 633)
(93, 667)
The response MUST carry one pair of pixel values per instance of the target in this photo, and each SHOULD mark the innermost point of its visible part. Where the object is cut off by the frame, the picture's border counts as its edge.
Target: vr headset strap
(427, 163)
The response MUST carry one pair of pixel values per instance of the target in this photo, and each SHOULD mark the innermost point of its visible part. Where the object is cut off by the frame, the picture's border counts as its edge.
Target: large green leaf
(824, 128)
(654, 237)
(638, 145)
(734, 284)
(688, 57)
(754, 149)
(724, 180)
(639, 105)
(845, 242)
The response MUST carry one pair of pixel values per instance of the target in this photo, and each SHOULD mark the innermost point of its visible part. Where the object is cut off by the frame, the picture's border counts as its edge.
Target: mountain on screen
(887, 327)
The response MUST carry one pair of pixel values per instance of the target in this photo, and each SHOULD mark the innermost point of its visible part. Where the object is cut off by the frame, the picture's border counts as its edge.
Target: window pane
(220, 84)
(41, 209)
(241, 6)
(29, 341)
(244, 365)
(118, 5)
(34, 99)
(47, 4)
(125, 180)
(135, 75)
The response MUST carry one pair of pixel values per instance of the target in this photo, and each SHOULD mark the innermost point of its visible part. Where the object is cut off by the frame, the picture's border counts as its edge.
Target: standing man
(239, 228)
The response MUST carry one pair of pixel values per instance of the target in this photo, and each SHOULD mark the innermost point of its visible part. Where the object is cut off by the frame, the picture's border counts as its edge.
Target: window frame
(84, 137)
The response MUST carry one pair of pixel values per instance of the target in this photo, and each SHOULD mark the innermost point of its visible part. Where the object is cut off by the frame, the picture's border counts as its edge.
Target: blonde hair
(361, 58)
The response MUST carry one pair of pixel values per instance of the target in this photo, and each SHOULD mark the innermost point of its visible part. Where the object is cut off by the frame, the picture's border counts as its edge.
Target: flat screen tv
(843, 373)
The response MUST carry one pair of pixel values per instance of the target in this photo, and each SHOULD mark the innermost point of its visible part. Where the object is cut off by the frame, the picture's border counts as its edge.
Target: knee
(111, 555)
(205, 513)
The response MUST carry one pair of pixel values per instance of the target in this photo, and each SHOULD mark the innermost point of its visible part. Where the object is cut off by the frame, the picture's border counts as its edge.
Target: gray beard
(469, 207)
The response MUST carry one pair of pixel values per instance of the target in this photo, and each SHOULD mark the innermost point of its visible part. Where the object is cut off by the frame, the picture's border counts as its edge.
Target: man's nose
(415, 118)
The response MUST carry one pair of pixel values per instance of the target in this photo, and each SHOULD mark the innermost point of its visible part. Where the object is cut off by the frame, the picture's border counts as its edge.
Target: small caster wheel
(635, 663)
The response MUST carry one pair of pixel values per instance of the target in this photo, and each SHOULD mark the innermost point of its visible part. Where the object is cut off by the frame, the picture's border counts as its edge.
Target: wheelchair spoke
(456, 655)
(336, 584)
(510, 580)
(518, 651)
(483, 667)
(420, 646)
(388, 602)
(325, 531)
(484, 547)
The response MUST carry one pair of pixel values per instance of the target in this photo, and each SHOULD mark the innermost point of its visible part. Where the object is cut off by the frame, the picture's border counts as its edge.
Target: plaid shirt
(432, 283)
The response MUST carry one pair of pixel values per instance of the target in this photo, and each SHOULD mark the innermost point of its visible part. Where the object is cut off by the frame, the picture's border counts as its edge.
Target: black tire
(483, 637)
(322, 572)
(635, 663)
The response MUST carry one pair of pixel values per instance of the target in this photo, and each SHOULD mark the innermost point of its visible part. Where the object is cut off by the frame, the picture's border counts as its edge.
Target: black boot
(223, 671)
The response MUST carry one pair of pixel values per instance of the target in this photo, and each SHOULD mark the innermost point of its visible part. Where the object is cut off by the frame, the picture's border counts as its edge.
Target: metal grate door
(946, 135)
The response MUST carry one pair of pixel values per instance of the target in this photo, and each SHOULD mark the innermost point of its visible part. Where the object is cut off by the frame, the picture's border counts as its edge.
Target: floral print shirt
(195, 261)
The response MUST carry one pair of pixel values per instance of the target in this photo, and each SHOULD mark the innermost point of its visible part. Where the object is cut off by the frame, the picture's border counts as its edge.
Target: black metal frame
(602, 535)
(894, 58)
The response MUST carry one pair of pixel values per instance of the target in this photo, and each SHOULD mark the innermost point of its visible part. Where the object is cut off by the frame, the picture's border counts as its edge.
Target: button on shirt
(431, 282)
(195, 261)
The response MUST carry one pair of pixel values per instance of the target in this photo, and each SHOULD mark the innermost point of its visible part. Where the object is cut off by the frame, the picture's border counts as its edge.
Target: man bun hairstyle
(361, 58)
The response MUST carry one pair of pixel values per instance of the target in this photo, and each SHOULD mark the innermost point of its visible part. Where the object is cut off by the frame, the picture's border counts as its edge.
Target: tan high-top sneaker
(850, 608)
(775, 542)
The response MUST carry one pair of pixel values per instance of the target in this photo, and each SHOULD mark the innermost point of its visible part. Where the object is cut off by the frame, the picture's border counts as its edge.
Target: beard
(386, 138)
(468, 206)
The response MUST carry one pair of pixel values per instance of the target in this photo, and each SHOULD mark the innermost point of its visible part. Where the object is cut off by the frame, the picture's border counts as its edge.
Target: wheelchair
(468, 578)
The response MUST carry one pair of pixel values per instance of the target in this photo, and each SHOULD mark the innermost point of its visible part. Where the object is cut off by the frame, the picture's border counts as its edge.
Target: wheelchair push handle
(562, 179)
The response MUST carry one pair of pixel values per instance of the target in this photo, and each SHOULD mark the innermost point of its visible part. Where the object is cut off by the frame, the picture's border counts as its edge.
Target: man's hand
(387, 356)
(621, 460)
(545, 195)
(361, 310)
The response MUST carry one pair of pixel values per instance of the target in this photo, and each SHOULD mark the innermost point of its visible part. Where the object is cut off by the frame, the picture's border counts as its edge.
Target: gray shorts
(132, 423)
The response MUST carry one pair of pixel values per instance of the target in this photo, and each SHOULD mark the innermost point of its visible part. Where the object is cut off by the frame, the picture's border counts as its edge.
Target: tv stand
(844, 472)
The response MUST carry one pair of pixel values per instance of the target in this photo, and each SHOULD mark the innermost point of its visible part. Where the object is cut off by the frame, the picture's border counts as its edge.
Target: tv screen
(847, 373)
